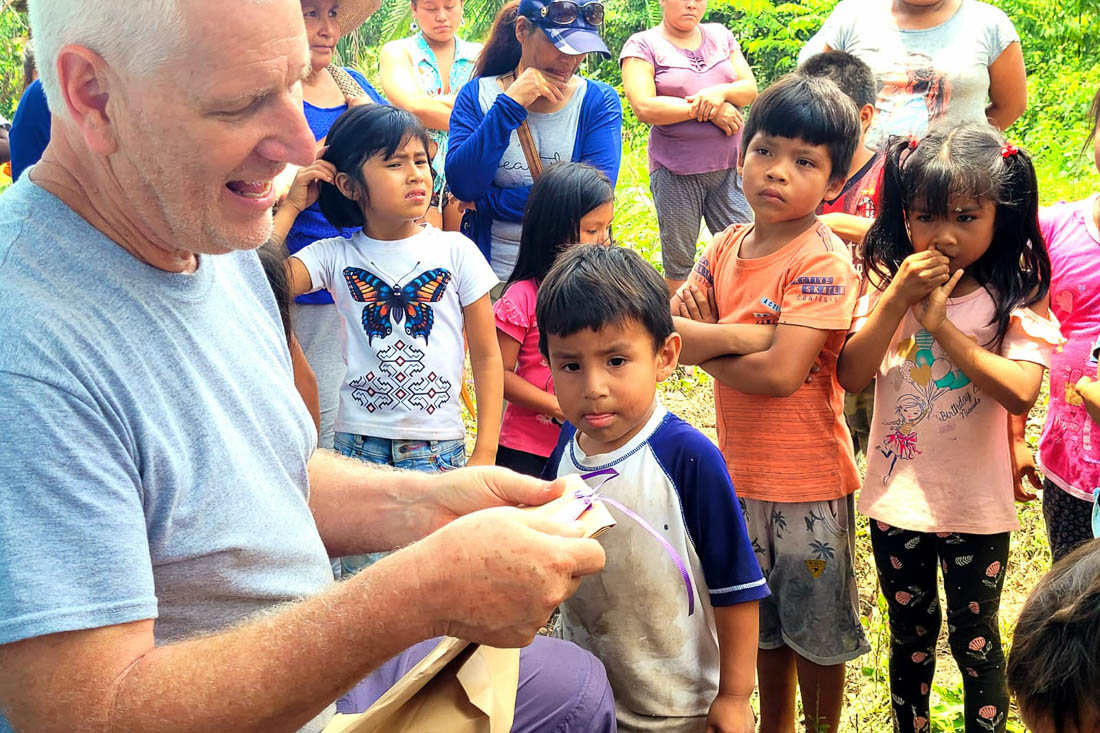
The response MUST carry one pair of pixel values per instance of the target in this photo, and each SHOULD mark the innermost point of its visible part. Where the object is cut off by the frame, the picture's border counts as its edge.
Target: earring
(462, 23)
(414, 27)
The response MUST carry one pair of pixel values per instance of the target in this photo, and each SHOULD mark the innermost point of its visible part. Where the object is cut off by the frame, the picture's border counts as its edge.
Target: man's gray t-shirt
(555, 135)
(923, 75)
(153, 447)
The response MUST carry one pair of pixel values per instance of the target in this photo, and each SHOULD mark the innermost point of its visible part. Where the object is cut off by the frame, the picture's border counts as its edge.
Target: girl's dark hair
(592, 286)
(502, 50)
(355, 137)
(273, 258)
(1054, 663)
(560, 198)
(965, 159)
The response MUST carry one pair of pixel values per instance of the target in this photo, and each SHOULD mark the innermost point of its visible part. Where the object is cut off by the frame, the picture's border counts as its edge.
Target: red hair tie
(1008, 149)
(913, 141)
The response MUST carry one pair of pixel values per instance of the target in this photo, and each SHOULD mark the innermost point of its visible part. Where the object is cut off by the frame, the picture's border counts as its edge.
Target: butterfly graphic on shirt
(406, 303)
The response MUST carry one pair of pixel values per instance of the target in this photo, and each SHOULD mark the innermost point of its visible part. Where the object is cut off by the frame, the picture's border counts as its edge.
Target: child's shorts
(806, 551)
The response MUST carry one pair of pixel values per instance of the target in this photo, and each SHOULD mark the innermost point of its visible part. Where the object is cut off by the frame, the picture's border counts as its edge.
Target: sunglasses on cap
(564, 12)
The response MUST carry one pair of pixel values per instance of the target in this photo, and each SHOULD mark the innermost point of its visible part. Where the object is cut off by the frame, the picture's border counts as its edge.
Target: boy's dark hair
(965, 159)
(810, 109)
(358, 134)
(593, 285)
(848, 72)
(560, 198)
(1054, 663)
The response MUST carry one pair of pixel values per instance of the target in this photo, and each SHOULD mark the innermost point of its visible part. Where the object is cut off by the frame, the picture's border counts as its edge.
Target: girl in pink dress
(570, 203)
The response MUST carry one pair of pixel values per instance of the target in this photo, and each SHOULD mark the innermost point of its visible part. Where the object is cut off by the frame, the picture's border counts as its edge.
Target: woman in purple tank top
(688, 80)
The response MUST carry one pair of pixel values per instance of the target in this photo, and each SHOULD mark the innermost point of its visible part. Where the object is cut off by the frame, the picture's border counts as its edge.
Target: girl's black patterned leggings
(973, 573)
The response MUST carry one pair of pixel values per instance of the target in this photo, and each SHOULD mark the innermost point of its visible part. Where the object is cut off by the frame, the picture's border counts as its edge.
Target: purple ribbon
(594, 494)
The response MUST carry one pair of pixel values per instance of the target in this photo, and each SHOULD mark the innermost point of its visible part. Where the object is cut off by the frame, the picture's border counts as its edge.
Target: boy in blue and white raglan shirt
(608, 335)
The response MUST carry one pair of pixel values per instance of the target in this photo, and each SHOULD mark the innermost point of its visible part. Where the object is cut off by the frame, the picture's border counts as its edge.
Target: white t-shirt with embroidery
(401, 306)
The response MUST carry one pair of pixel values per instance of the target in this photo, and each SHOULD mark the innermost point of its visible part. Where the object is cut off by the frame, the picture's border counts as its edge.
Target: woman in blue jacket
(527, 72)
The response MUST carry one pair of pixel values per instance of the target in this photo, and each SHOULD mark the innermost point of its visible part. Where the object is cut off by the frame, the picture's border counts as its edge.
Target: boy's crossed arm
(768, 360)
(695, 316)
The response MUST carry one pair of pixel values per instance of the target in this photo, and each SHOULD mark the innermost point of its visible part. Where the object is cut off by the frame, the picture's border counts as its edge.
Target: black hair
(356, 136)
(560, 198)
(502, 50)
(850, 73)
(965, 159)
(592, 286)
(810, 109)
(1054, 663)
(273, 258)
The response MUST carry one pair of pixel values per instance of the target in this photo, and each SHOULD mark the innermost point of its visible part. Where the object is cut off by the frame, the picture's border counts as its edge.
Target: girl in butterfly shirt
(405, 292)
(570, 203)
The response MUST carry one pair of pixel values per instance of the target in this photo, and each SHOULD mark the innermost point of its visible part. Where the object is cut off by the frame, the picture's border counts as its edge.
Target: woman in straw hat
(327, 94)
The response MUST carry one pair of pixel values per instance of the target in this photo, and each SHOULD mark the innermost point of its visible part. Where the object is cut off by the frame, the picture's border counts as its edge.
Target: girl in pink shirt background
(570, 203)
(1069, 449)
(956, 331)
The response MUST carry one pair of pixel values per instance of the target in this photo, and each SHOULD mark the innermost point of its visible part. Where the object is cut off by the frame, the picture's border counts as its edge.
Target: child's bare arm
(1089, 390)
(695, 316)
(777, 371)
(738, 631)
(305, 381)
(862, 355)
(848, 227)
(518, 390)
(706, 341)
(298, 275)
(1014, 384)
(488, 378)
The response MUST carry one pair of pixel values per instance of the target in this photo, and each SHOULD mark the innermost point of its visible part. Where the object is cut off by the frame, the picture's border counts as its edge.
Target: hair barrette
(1008, 149)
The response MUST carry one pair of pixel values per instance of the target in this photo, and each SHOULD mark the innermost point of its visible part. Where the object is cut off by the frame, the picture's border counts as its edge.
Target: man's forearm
(362, 507)
(272, 674)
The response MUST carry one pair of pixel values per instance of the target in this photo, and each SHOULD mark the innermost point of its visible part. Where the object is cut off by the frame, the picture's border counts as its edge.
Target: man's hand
(495, 576)
(731, 714)
(467, 490)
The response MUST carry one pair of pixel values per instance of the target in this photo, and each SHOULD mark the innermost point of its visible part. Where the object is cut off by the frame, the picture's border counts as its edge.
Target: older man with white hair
(164, 529)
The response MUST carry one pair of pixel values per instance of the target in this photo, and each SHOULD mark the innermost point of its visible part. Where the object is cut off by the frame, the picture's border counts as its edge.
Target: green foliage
(13, 31)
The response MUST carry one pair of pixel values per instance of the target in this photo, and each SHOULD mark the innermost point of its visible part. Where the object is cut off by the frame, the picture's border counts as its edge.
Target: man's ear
(741, 160)
(85, 80)
(668, 356)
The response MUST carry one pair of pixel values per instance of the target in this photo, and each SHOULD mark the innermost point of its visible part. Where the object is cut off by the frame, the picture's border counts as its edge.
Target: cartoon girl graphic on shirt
(901, 442)
(914, 94)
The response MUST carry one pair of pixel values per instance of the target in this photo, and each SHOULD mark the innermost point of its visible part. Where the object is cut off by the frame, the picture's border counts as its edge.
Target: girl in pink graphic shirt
(570, 203)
